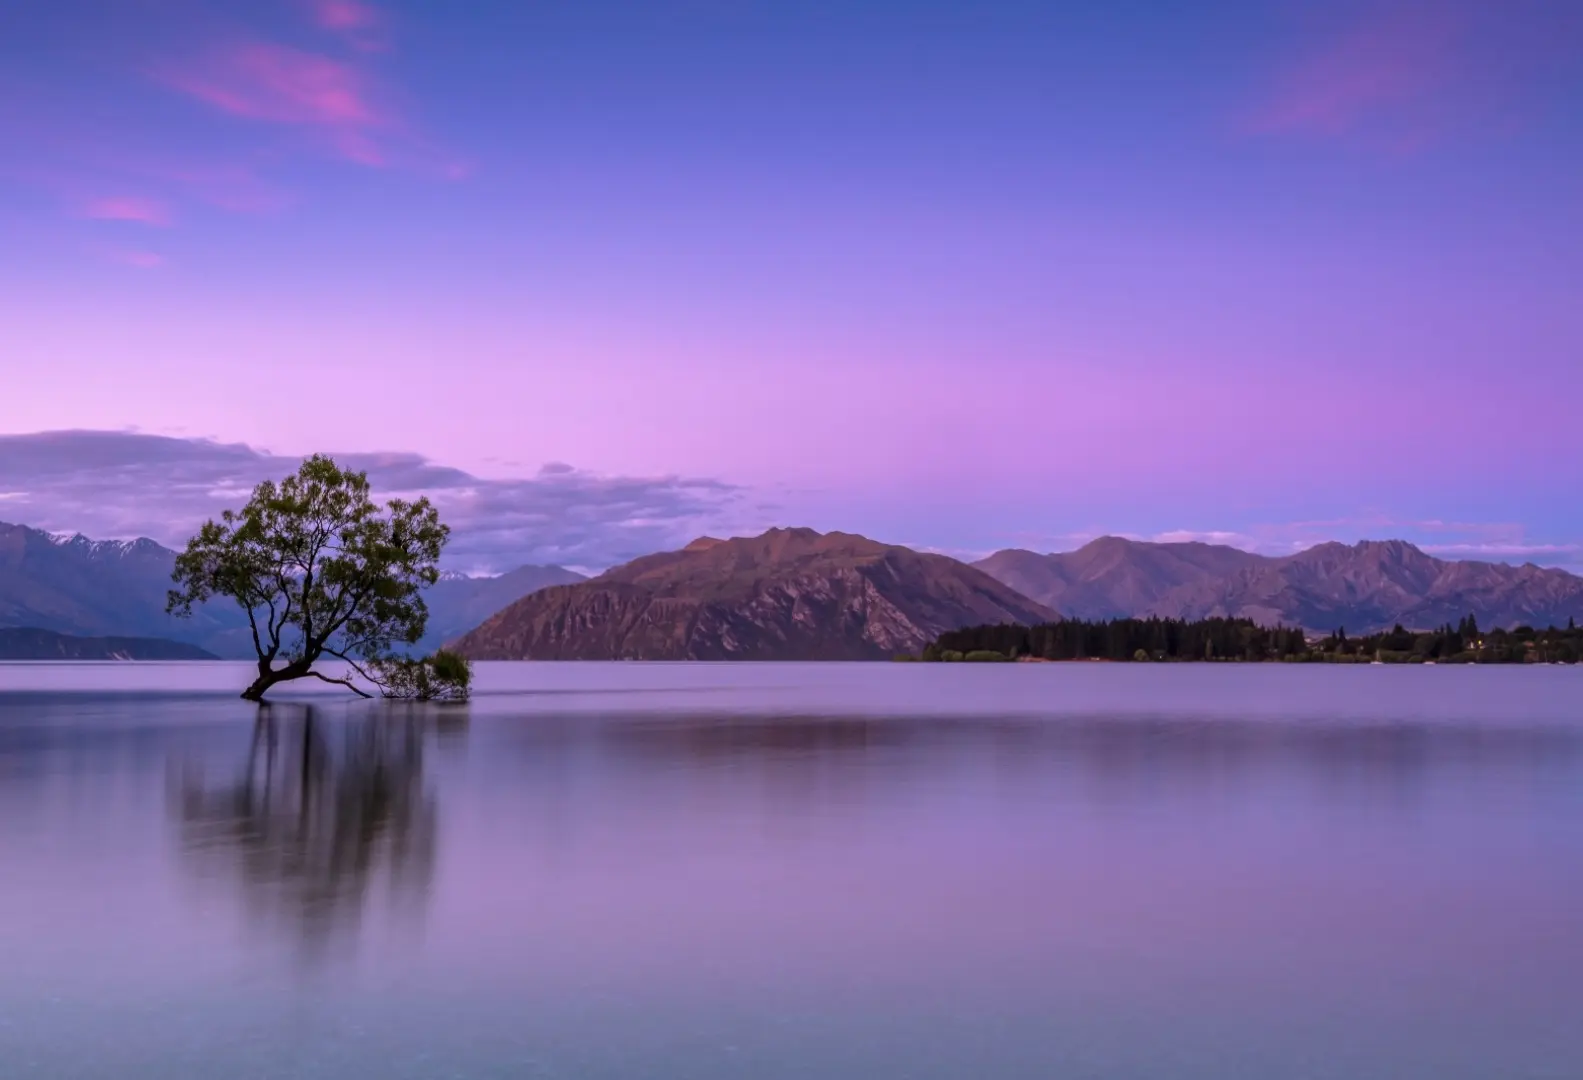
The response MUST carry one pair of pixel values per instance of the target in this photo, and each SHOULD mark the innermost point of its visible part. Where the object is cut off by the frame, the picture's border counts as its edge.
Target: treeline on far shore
(1243, 640)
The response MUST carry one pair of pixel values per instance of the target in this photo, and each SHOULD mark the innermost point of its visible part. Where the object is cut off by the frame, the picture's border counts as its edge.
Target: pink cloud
(128, 208)
(279, 85)
(337, 102)
(1389, 70)
(345, 15)
(360, 24)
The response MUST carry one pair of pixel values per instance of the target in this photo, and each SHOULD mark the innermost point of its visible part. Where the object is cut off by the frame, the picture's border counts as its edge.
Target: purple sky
(961, 275)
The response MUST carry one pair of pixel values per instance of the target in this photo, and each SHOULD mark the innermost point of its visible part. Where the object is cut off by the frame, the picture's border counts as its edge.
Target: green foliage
(321, 570)
(985, 656)
(1127, 640)
(1465, 644)
(1221, 640)
(442, 676)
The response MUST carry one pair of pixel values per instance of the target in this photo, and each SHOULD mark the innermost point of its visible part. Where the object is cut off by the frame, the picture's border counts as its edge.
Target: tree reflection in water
(325, 817)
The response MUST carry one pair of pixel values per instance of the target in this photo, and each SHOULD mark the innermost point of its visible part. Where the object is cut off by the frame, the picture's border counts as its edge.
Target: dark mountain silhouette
(94, 588)
(790, 594)
(29, 643)
(112, 588)
(1364, 587)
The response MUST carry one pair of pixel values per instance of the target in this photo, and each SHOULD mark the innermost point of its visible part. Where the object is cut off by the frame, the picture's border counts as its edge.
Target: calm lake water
(776, 871)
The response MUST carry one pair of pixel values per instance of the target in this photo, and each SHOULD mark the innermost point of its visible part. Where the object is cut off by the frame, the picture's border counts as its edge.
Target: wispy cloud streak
(1390, 66)
(279, 85)
(361, 25)
(111, 485)
(127, 208)
(1410, 73)
(310, 85)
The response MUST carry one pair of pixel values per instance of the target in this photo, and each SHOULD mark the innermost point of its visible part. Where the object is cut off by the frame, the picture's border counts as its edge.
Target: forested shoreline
(1243, 640)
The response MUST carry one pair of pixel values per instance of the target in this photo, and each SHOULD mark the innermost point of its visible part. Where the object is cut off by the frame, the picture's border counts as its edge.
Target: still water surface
(776, 871)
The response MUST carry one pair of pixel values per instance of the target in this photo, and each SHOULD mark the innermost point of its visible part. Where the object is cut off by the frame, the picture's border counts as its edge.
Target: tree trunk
(256, 691)
(268, 676)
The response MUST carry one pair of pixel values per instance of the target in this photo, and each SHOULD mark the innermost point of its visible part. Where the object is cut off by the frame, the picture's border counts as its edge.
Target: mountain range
(1113, 578)
(1362, 587)
(800, 594)
(458, 603)
(789, 594)
(26, 643)
(111, 588)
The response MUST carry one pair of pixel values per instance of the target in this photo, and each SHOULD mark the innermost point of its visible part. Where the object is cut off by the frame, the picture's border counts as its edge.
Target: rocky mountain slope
(97, 588)
(1111, 577)
(1364, 587)
(1377, 583)
(458, 603)
(73, 585)
(27, 643)
(789, 594)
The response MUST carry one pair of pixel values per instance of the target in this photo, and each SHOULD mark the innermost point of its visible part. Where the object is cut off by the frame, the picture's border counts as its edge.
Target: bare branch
(353, 664)
(353, 687)
(252, 624)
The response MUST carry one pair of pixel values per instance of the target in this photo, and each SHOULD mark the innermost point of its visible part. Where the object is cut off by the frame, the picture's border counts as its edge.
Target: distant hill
(1112, 578)
(29, 643)
(1363, 587)
(97, 588)
(83, 587)
(1377, 583)
(458, 603)
(790, 594)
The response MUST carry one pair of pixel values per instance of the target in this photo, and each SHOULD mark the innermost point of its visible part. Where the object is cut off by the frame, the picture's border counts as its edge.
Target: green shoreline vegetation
(1244, 641)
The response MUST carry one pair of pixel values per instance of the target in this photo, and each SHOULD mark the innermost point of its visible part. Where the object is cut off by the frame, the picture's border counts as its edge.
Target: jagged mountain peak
(141, 545)
(1112, 576)
(1364, 586)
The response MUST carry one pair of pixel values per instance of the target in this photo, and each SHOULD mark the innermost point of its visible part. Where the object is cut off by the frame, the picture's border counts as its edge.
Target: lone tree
(322, 570)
